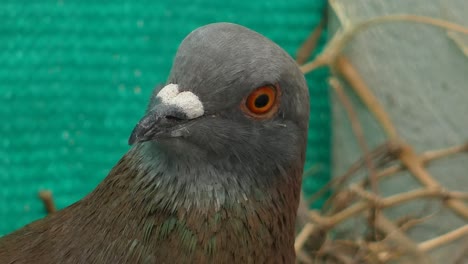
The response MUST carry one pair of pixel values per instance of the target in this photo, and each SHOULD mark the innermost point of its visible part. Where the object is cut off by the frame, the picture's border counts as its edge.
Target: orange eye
(262, 101)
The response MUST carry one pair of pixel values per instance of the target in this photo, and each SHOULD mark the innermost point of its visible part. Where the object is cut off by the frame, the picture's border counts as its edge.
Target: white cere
(188, 102)
(168, 92)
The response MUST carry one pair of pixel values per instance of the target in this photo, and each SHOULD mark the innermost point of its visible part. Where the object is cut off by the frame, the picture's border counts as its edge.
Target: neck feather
(207, 211)
(194, 183)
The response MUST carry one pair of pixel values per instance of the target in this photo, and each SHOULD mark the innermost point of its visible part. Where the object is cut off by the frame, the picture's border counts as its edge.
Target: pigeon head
(232, 94)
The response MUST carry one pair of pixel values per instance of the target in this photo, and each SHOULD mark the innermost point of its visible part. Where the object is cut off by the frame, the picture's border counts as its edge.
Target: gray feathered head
(231, 94)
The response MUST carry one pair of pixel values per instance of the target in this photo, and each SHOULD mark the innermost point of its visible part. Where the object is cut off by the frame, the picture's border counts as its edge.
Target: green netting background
(75, 76)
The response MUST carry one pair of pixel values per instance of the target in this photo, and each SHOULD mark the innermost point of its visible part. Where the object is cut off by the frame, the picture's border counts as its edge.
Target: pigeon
(213, 173)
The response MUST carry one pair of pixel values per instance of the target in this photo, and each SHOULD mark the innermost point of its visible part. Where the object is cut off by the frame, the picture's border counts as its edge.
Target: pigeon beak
(158, 123)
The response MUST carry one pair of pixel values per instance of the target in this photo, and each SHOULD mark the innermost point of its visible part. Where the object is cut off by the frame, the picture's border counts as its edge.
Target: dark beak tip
(131, 140)
(154, 125)
(133, 136)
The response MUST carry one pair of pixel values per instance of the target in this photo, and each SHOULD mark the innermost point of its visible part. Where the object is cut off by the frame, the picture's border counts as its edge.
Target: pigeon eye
(261, 102)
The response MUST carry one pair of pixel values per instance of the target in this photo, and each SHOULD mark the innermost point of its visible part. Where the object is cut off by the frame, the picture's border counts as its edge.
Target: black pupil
(261, 101)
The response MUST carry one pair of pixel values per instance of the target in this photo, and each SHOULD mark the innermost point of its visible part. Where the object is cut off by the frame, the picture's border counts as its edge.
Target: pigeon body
(214, 172)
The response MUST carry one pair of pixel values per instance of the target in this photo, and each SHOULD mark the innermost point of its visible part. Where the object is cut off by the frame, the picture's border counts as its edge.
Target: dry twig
(47, 199)
(341, 39)
(393, 150)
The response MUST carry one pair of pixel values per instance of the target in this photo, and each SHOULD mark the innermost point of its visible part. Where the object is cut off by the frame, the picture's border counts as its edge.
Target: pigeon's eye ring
(261, 102)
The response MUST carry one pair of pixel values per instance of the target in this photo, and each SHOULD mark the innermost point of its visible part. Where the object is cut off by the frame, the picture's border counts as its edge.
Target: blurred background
(75, 77)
